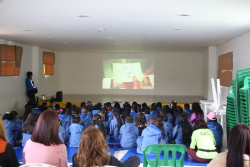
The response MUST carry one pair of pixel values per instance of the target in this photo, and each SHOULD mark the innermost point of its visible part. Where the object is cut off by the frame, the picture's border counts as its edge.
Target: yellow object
(62, 104)
(182, 105)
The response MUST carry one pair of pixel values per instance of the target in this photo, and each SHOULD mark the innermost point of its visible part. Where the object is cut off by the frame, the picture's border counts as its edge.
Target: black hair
(119, 120)
(160, 125)
(62, 111)
(167, 109)
(35, 105)
(163, 113)
(158, 104)
(125, 113)
(74, 112)
(179, 111)
(129, 119)
(68, 111)
(196, 108)
(186, 105)
(68, 105)
(104, 113)
(140, 120)
(153, 121)
(52, 100)
(84, 108)
(83, 104)
(14, 113)
(30, 123)
(108, 103)
(73, 108)
(186, 127)
(134, 108)
(147, 110)
(117, 105)
(165, 118)
(76, 119)
(97, 120)
(8, 116)
(58, 106)
(28, 110)
(139, 107)
(29, 74)
(153, 107)
(97, 107)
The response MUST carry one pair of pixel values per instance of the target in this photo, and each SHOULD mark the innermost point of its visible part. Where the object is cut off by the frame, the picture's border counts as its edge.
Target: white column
(34, 67)
(212, 69)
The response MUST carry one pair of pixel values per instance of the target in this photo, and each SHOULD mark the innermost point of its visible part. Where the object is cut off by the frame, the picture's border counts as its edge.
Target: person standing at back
(30, 87)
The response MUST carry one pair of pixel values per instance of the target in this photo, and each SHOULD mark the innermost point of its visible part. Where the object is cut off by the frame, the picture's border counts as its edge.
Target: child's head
(139, 106)
(68, 105)
(129, 119)
(53, 102)
(200, 124)
(126, 104)
(153, 107)
(140, 119)
(134, 108)
(116, 114)
(158, 104)
(74, 113)
(144, 105)
(68, 111)
(97, 107)
(83, 104)
(84, 110)
(62, 111)
(8, 116)
(14, 113)
(97, 121)
(179, 109)
(125, 113)
(134, 103)
(89, 103)
(163, 112)
(30, 122)
(104, 114)
(147, 110)
(105, 105)
(44, 104)
(153, 121)
(58, 106)
(165, 118)
(174, 105)
(110, 108)
(160, 118)
(89, 108)
(73, 108)
(186, 106)
(212, 117)
(76, 119)
(117, 105)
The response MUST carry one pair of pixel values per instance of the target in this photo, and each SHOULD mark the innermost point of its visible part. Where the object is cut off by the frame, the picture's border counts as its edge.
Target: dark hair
(8, 116)
(153, 121)
(73, 108)
(126, 104)
(58, 106)
(30, 122)
(104, 113)
(163, 112)
(129, 119)
(179, 111)
(238, 144)
(28, 110)
(165, 118)
(186, 105)
(74, 112)
(68, 111)
(140, 120)
(97, 107)
(110, 108)
(160, 125)
(14, 113)
(200, 124)
(174, 103)
(196, 108)
(84, 109)
(62, 111)
(139, 107)
(35, 105)
(153, 107)
(29, 74)
(125, 113)
(83, 104)
(52, 100)
(158, 104)
(186, 127)
(134, 108)
(97, 120)
(46, 129)
(68, 105)
(147, 110)
(76, 119)
(44, 103)
(119, 120)
(144, 105)
(89, 108)
(117, 105)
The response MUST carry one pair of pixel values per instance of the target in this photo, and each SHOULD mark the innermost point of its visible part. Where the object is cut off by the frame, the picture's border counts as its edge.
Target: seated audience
(183, 131)
(238, 149)
(104, 115)
(89, 111)
(215, 127)
(166, 111)
(75, 130)
(36, 110)
(110, 116)
(63, 135)
(133, 112)
(97, 108)
(117, 107)
(89, 103)
(44, 146)
(196, 113)
(68, 105)
(174, 106)
(85, 119)
(28, 110)
(187, 109)
(115, 126)
(125, 113)
(16, 120)
(202, 148)
(92, 152)
(64, 119)
(28, 127)
(168, 131)
(140, 122)
(147, 114)
(98, 123)
(44, 106)
(139, 108)
(176, 114)
(7, 154)
(53, 104)
(150, 135)
(128, 133)
(160, 125)
(13, 131)
(153, 111)
(83, 104)
(158, 107)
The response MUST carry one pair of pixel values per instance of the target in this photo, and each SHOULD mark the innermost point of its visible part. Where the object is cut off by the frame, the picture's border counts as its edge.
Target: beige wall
(175, 73)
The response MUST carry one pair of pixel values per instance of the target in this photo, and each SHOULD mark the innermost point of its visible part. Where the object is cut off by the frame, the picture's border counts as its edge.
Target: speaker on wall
(59, 95)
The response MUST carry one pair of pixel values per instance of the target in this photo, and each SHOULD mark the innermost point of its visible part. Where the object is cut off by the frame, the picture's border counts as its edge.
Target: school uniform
(158, 109)
(94, 112)
(85, 120)
(187, 110)
(133, 114)
(217, 130)
(110, 117)
(153, 113)
(90, 114)
(176, 119)
(26, 137)
(37, 111)
(170, 119)
(148, 116)
(13, 132)
(65, 120)
(178, 138)
(128, 135)
(80, 109)
(18, 121)
(75, 131)
(116, 108)
(168, 133)
(114, 129)
(63, 135)
(150, 135)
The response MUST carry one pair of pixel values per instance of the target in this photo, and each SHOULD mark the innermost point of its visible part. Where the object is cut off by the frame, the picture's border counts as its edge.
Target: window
(10, 60)
(48, 63)
(225, 69)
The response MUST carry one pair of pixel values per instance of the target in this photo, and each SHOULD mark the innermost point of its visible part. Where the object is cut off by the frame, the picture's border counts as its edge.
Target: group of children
(133, 125)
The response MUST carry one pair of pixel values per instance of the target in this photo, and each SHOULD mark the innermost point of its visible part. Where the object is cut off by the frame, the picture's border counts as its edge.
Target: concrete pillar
(212, 69)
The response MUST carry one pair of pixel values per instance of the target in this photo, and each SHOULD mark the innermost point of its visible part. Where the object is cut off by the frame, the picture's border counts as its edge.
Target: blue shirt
(133, 114)
(63, 136)
(179, 139)
(217, 130)
(75, 131)
(114, 130)
(29, 84)
(10, 129)
(153, 113)
(85, 120)
(26, 137)
(187, 110)
(128, 135)
(168, 133)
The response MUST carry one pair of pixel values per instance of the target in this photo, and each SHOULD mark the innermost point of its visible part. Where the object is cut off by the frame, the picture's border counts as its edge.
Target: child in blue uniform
(147, 114)
(128, 133)
(133, 112)
(85, 119)
(167, 112)
(179, 111)
(140, 122)
(96, 109)
(215, 127)
(153, 110)
(158, 107)
(63, 135)
(115, 125)
(13, 131)
(36, 110)
(150, 135)
(187, 109)
(168, 131)
(110, 115)
(16, 120)
(75, 130)
(28, 127)
(64, 119)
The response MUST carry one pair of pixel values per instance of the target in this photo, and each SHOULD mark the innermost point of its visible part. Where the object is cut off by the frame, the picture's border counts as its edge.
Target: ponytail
(119, 120)
(97, 120)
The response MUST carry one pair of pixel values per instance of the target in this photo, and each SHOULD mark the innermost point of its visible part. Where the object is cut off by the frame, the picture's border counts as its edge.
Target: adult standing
(30, 87)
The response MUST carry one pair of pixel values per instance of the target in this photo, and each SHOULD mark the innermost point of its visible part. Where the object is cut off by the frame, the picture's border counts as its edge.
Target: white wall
(175, 73)
(205, 74)
(13, 90)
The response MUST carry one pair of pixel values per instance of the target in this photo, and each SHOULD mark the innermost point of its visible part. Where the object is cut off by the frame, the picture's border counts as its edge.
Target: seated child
(63, 135)
(147, 114)
(140, 122)
(187, 109)
(215, 127)
(83, 104)
(128, 133)
(158, 107)
(75, 130)
(104, 115)
(53, 104)
(117, 107)
(89, 103)
(160, 125)
(133, 112)
(85, 119)
(28, 127)
(96, 109)
(110, 114)
(13, 131)
(98, 123)
(44, 106)
(64, 119)
(176, 114)
(150, 135)
(167, 112)
(115, 126)
(139, 108)
(168, 131)
(153, 110)
(16, 120)
(183, 131)
(36, 110)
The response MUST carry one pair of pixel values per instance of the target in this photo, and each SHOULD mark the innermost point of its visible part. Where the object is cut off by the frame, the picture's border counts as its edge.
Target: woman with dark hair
(183, 131)
(45, 145)
(92, 152)
(202, 148)
(30, 87)
(238, 149)
(196, 113)
(179, 111)
(28, 127)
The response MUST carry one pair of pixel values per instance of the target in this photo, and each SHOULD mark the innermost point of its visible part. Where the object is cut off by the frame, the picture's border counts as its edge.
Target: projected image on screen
(128, 74)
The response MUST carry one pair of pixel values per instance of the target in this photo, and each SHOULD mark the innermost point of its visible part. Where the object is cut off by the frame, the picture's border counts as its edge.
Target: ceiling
(126, 25)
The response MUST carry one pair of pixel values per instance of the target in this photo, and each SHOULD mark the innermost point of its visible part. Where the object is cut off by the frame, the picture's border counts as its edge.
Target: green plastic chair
(166, 148)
